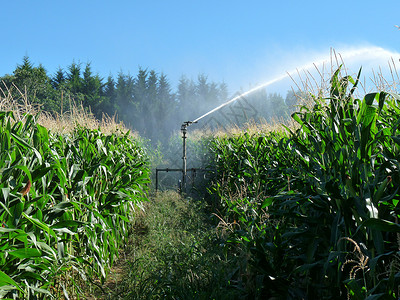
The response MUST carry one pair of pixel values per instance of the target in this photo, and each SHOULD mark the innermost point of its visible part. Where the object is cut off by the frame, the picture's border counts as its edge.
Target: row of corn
(315, 210)
(66, 202)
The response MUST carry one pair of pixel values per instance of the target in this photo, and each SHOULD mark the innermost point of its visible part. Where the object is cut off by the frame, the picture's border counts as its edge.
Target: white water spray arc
(363, 53)
(366, 53)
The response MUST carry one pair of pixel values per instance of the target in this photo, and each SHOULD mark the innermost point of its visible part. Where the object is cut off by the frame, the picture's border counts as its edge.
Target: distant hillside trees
(145, 102)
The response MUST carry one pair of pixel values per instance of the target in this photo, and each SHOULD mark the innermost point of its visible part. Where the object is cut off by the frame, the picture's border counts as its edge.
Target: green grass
(175, 253)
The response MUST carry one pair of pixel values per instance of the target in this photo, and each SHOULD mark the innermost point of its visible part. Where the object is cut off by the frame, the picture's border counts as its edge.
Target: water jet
(371, 52)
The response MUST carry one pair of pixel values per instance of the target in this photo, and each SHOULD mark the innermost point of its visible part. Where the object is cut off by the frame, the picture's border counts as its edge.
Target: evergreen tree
(59, 79)
(24, 73)
(109, 88)
(124, 98)
(110, 94)
(35, 83)
(74, 79)
(278, 107)
(150, 107)
(202, 93)
(32, 79)
(60, 89)
(186, 99)
(165, 112)
(140, 101)
(145, 102)
(6, 82)
(209, 94)
(223, 92)
(92, 91)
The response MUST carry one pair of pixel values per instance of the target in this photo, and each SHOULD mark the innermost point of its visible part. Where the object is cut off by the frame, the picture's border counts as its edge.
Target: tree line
(145, 102)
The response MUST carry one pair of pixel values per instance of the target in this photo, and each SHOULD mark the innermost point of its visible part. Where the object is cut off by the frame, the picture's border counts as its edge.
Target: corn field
(314, 209)
(308, 211)
(66, 206)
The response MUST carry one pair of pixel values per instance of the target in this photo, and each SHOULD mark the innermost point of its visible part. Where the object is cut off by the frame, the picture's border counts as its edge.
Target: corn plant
(66, 205)
(315, 193)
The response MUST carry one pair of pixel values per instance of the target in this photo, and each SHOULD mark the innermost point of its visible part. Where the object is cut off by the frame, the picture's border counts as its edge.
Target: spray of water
(348, 55)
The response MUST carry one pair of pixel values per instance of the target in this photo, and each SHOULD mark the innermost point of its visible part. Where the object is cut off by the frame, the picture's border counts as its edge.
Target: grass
(174, 253)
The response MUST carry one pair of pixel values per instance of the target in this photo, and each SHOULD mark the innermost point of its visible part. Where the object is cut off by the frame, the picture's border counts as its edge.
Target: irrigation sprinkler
(185, 125)
(373, 51)
(184, 165)
(182, 183)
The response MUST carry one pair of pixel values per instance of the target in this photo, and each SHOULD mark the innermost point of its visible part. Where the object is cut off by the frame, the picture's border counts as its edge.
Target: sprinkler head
(186, 124)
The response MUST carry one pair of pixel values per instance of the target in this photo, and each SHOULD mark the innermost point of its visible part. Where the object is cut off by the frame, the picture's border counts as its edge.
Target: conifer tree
(59, 79)
(124, 98)
(74, 78)
(110, 94)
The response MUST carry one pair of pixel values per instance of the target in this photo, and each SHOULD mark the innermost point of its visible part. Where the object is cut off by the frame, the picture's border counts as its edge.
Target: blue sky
(243, 43)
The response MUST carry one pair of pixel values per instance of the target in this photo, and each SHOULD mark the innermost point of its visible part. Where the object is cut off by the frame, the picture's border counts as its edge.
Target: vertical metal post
(184, 167)
(156, 180)
(184, 131)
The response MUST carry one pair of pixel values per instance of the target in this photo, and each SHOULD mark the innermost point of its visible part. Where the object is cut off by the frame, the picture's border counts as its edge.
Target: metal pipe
(156, 180)
(184, 131)
(164, 170)
(184, 159)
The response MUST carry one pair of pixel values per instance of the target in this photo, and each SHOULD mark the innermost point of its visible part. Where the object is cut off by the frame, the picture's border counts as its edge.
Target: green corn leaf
(6, 193)
(64, 230)
(25, 170)
(40, 225)
(382, 98)
(374, 261)
(378, 240)
(47, 249)
(124, 218)
(382, 225)
(369, 98)
(40, 290)
(378, 194)
(7, 280)
(5, 230)
(396, 139)
(355, 290)
(31, 275)
(43, 133)
(67, 223)
(20, 141)
(25, 253)
(40, 172)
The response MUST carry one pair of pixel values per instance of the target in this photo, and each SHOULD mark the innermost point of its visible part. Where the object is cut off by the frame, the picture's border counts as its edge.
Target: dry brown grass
(79, 116)
(251, 127)
(62, 123)
(19, 106)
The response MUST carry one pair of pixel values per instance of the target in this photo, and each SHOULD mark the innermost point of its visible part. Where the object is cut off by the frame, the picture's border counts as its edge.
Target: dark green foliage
(59, 79)
(317, 209)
